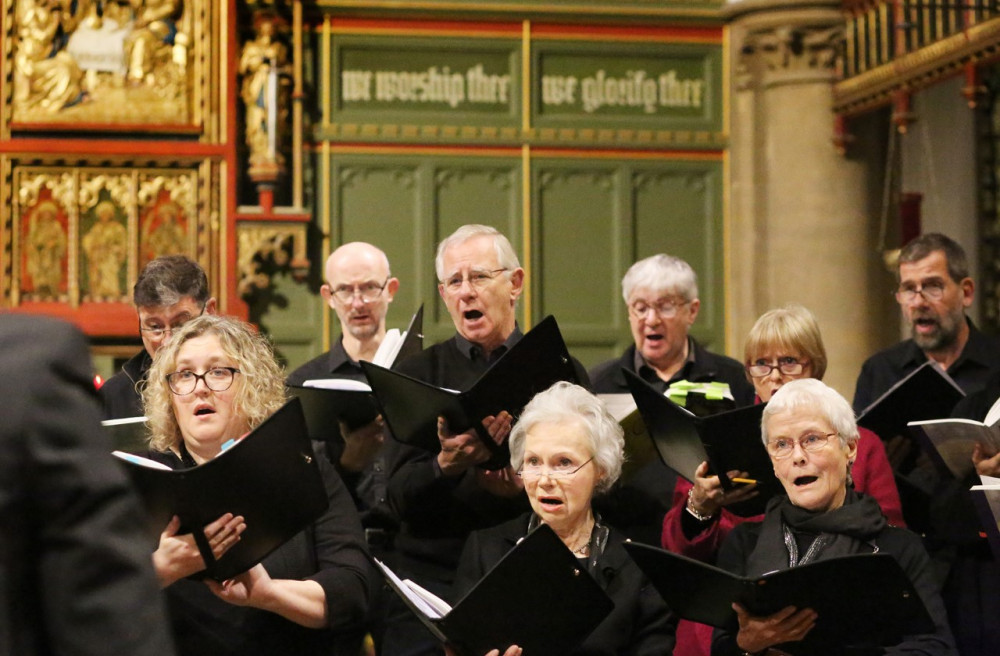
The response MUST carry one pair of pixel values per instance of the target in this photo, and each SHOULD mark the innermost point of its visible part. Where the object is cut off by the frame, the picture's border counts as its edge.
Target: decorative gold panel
(98, 64)
(81, 234)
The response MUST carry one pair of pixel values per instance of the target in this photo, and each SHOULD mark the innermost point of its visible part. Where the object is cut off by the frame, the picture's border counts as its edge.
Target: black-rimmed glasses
(156, 332)
(787, 366)
(217, 379)
(932, 291)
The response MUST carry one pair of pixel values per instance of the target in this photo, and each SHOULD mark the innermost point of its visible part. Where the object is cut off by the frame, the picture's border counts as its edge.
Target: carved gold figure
(45, 76)
(106, 248)
(152, 38)
(46, 248)
(162, 232)
(259, 58)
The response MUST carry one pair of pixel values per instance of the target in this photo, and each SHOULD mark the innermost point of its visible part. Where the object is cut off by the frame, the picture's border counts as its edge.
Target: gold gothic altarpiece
(135, 128)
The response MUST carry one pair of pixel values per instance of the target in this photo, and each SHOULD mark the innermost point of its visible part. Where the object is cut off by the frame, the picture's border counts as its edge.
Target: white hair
(661, 273)
(506, 257)
(568, 403)
(812, 396)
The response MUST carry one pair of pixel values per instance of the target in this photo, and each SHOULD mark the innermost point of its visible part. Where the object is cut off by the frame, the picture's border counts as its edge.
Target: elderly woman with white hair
(812, 438)
(566, 448)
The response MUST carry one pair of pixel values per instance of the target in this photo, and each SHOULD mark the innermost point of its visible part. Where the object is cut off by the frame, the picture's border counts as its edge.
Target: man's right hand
(460, 451)
(361, 445)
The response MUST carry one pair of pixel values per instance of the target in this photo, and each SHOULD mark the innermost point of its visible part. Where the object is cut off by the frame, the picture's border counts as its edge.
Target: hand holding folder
(269, 477)
(728, 441)
(861, 599)
(411, 407)
(536, 597)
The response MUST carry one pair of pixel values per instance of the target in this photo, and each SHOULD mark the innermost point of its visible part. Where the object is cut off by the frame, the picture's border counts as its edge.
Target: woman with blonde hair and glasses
(214, 381)
(567, 448)
(784, 345)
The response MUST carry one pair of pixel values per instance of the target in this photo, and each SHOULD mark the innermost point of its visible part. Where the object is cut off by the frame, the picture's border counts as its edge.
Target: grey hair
(922, 246)
(814, 396)
(661, 273)
(168, 279)
(506, 257)
(568, 403)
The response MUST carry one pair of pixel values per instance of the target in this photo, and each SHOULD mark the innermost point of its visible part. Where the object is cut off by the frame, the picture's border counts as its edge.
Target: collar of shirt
(340, 362)
(648, 374)
(474, 352)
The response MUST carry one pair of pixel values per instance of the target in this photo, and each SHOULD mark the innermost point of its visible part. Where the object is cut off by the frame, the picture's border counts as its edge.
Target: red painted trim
(630, 32)
(94, 319)
(458, 28)
(98, 148)
(122, 128)
(287, 217)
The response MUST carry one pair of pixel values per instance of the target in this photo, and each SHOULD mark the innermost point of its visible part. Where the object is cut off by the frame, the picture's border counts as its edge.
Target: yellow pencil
(745, 481)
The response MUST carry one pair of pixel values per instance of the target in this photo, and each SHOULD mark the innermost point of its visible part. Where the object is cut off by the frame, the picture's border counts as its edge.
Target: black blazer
(75, 572)
(640, 624)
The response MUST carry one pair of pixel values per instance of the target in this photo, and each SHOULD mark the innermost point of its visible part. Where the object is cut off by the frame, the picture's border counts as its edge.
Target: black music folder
(986, 498)
(411, 407)
(864, 599)
(727, 440)
(926, 393)
(327, 402)
(270, 477)
(537, 597)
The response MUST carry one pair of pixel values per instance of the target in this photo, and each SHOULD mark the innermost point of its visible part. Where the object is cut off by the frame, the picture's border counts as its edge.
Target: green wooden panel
(379, 200)
(417, 80)
(594, 219)
(676, 87)
(678, 210)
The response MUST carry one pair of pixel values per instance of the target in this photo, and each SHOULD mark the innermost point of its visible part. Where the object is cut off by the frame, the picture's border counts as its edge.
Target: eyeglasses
(217, 379)
(932, 291)
(368, 292)
(557, 472)
(663, 309)
(788, 366)
(783, 447)
(156, 332)
(478, 279)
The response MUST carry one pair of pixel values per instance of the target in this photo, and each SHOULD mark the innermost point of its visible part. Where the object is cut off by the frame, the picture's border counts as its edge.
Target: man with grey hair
(170, 291)
(934, 290)
(442, 497)
(661, 295)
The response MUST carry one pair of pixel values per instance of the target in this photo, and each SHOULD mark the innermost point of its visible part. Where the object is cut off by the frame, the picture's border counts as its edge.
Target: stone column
(799, 209)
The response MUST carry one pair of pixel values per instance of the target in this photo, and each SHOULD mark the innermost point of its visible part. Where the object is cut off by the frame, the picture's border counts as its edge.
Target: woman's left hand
(243, 590)
(759, 633)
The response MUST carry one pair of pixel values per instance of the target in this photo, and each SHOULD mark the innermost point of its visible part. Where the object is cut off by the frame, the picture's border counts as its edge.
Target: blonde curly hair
(260, 388)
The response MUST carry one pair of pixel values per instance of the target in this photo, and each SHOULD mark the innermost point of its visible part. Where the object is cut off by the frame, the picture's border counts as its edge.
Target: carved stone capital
(791, 48)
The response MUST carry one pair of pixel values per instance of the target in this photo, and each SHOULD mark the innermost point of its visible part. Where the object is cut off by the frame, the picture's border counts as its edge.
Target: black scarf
(847, 530)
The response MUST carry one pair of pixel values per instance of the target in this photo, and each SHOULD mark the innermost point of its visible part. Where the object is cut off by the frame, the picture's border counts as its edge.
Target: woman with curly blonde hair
(259, 388)
(214, 381)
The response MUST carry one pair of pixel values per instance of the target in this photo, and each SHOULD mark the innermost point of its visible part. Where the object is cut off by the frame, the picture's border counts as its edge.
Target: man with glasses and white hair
(661, 294)
(170, 291)
(442, 497)
(661, 297)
